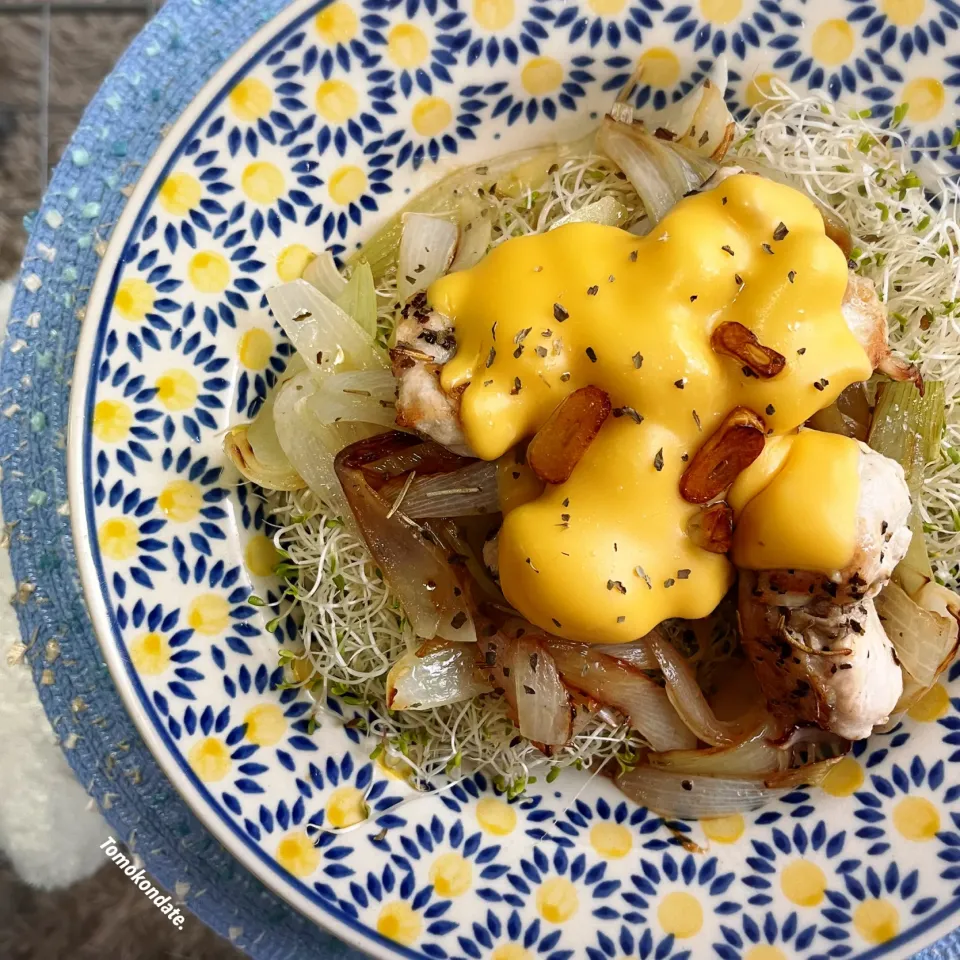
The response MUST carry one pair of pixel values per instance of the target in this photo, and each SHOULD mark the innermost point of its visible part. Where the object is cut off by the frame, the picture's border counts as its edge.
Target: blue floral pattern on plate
(307, 141)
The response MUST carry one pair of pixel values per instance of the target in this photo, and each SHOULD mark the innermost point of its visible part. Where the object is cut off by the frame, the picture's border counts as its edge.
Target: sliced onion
(257, 453)
(636, 653)
(327, 338)
(692, 797)
(619, 685)
(752, 758)
(427, 247)
(544, 708)
(310, 443)
(444, 674)
(701, 120)
(523, 169)
(322, 273)
(475, 235)
(467, 492)
(811, 775)
(413, 565)
(925, 640)
(367, 396)
(606, 211)
(359, 298)
(662, 173)
(688, 699)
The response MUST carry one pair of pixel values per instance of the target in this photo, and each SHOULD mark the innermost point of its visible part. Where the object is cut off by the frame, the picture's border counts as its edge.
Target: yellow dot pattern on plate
(904, 13)
(262, 182)
(302, 669)
(511, 951)
(844, 778)
(150, 654)
(346, 184)
(680, 913)
(346, 807)
(933, 705)
(659, 67)
(261, 556)
(606, 7)
(764, 951)
(337, 23)
(759, 89)
(265, 724)
(430, 116)
(832, 42)
(611, 840)
(803, 883)
(180, 500)
(394, 768)
(541, 75)
(916, 818)
(208, 614)
(250, 99)
(118, 538)
(407, 45)
(112, 420)
(293, 260)
(399, 923)
(297, 854)
(557, 900)
(134, 299)
(255, 349)
(179, 194)
(924, 97)
(451, 875)
(495, 816)
(209, 272)
(336, 101)
(493, 14)
(720, 12)
(727, 829)
(210, 759)
(877, 921)
(177, 389)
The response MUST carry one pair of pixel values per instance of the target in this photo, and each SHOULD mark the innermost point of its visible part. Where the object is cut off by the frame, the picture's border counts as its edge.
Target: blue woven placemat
(159, 75)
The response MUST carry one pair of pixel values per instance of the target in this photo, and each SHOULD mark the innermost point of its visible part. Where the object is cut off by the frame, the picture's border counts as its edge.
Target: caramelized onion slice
(414, 566)
(560, 443)
(923, 632)
(732, 339)
(691, 797)
(619, 685)
(712, 527)
(445, 673)
(544, 707)
(469, 491)
(687, 698)
(733, 446)
(754, 757)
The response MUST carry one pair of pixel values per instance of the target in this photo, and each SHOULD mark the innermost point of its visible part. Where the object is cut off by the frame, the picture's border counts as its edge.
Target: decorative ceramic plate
(309, 137)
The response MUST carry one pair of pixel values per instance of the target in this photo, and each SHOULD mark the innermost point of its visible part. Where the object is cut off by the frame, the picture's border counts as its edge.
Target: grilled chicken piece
(867, 320)
(815, 640)
(425, 342)
(824, 663)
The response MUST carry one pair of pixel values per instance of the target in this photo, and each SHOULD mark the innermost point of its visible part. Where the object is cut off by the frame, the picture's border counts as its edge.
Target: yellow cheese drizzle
(604, 557)
(803, 515)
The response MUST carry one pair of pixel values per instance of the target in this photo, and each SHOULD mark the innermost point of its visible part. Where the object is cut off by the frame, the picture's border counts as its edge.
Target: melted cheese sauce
(604, 557)
(804, 516)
